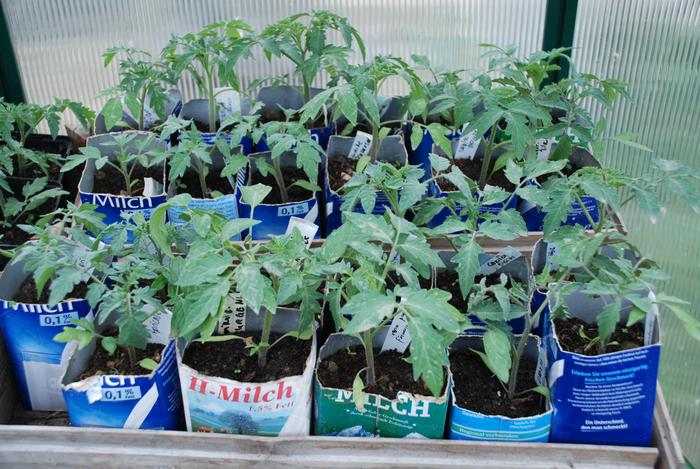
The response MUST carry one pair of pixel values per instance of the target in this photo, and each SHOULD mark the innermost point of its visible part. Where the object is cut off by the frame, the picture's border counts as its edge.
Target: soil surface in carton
(110, 181)
(27, 292)
(393, 373)
(231, 359)
(472, 169)
(341, 169)
(43, 146)
(189, 183)
(103, 363)
(291, 175)
(477, 389)
(449, 282)
(624, 338)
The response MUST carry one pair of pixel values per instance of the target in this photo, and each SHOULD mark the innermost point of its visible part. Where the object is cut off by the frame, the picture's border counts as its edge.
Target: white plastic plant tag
(307, 229)
(649, 323)
(360, 146)
(228, 101)
(151, 187)
(398, 337)
(552, 250)
(544, 148)
(233, 319)
(501, 259)
(150, 118)
(467, 146)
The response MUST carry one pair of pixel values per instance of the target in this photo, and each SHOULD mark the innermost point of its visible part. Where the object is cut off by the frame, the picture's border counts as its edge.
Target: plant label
(307, 229)
(552, 250)
(543, 147)
(467, 146)
(398, 337)
(503, 258)
(233, 319)
(361, 145)
(228, 101)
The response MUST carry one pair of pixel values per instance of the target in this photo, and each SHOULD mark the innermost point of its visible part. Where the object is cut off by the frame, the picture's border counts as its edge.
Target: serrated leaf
(367, 309)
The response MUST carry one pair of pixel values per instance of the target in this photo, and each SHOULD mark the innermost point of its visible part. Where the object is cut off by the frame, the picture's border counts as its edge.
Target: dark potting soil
(472, 169)
(103, 363)
(340, 170)
(624, 338)
(109, 181)
(392, 371)
(478, 390)
(27, 292)
(189, 183)
(230, 359)
(290, 175)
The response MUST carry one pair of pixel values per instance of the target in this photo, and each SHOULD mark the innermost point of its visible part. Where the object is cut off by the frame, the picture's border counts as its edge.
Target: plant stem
(201, 174)
(279, 179)
(513, 379)
(369, 355)
(374, 149)
(143, 109)
(212, 101)
(486, 163)
(264, 339)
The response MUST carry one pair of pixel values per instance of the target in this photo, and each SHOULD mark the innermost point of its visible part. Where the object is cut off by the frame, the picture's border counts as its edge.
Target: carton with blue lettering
(468, 153)
(105, 186)
(607, 398)
(406, 415)
(276, 99)
(28, 330)
(579, 214)
(344, 149)
(280, 407)
(468, 423)
(149, 401)
(275, 212)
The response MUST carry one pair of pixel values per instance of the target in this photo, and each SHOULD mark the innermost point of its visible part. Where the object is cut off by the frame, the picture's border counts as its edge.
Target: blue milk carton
(149, 401)
(466, 424)
(534, 216)
(275, 218)
(391, 149)
(28, 329)
(228, 102)
(608, 398)
(118, 208)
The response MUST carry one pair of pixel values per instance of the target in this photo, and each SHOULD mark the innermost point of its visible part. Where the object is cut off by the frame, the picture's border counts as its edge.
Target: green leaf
(513, 172)
(467, 260)
(627, 138)
(251, 285)
(149, 364)
(416, 136)
(255, 194)
(158, 231)
(367, 309)
(109, 344)
(543, 390)
(411, 193)
(607, 320)
(112, 113)
(358, 393)
(438, 132)
(347, 103)
(497, 347)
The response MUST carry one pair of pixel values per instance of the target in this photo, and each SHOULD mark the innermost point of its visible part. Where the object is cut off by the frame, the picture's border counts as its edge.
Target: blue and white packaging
(465, 424)
(150, 401)
(28, 329)
(279, 98)
(118, 208)
(274, 218)
(603, 399)
(390, 149)
(534, 216)
(225, 205)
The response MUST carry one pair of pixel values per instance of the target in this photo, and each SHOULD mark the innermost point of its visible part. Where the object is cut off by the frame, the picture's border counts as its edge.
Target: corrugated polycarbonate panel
(655, 46)
(59, 43)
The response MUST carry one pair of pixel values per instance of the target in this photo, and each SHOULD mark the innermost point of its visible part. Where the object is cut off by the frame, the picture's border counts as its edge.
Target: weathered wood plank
(23, 446)
(665, 438)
